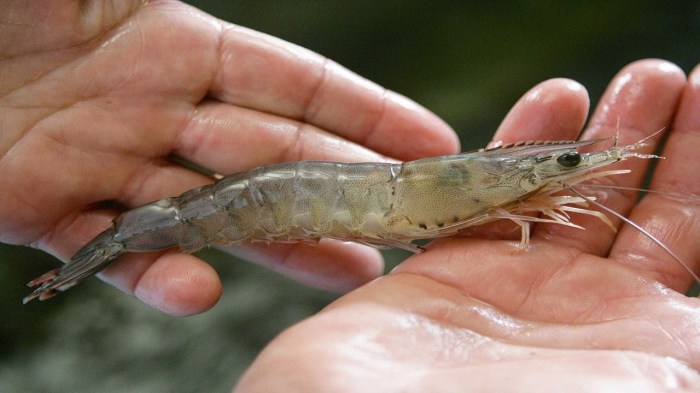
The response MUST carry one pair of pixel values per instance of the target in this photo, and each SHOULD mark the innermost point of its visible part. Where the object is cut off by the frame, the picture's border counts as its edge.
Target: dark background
(466, 61)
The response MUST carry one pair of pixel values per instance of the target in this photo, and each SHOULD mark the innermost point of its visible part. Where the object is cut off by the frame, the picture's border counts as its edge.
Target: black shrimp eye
(569, 160)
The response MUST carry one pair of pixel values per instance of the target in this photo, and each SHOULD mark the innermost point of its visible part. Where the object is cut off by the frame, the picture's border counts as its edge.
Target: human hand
(96, 98)
(577, 311)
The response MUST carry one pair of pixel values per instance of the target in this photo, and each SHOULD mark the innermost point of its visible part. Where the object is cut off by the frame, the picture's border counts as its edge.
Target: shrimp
(377, 204)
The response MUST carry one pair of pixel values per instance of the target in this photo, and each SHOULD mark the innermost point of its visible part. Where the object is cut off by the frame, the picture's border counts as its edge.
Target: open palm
(96, 101)
(578, 311)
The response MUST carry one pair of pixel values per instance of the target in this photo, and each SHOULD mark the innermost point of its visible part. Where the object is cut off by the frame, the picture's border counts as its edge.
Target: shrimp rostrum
(378, 204)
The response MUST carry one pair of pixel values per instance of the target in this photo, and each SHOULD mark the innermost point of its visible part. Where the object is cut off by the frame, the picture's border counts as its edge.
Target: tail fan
(92, 258)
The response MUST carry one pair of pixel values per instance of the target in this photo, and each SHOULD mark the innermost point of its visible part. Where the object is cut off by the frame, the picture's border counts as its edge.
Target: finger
(553, 110)
(181, 284)
(267, 74)
(329, 265)
(639, 101)
(222, 138)
(175, 283)
(676, 222)
(230, 139)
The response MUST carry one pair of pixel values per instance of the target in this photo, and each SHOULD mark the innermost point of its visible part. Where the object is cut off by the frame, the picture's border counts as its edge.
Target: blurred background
(466, 61)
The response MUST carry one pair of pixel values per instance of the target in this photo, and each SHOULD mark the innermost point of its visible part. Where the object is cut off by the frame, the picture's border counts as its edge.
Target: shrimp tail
(93, 257)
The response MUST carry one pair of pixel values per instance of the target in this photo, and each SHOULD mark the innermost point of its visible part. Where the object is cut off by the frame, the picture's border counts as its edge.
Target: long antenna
(644, 190)
(640, 229)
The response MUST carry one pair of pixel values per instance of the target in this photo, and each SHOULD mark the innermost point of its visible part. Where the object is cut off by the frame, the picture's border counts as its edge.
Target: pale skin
(93, 104)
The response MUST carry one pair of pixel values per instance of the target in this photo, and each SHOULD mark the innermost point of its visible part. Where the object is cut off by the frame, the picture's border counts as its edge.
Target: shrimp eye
(569, 160)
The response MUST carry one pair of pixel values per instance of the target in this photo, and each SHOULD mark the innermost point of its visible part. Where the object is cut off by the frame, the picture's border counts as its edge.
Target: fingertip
(414, 131)
(179, 285)
(554, 109)
(572, 92)
(688, 117)
(557, 89)
(642, 96)
(567, 100)
(656, 66)
(694, 76)
(656, 73)
(371, 263)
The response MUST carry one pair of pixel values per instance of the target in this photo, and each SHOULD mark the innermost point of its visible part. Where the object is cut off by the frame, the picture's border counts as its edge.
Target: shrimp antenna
(640, 229)
(644, 190)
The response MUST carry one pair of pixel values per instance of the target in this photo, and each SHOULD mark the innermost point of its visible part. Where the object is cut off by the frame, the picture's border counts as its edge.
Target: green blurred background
(466, 61)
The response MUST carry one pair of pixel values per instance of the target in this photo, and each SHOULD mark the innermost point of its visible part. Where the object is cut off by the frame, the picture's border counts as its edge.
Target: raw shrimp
(378, 204)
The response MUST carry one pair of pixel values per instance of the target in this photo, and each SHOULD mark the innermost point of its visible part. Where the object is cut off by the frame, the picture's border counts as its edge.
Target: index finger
(268, 74)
